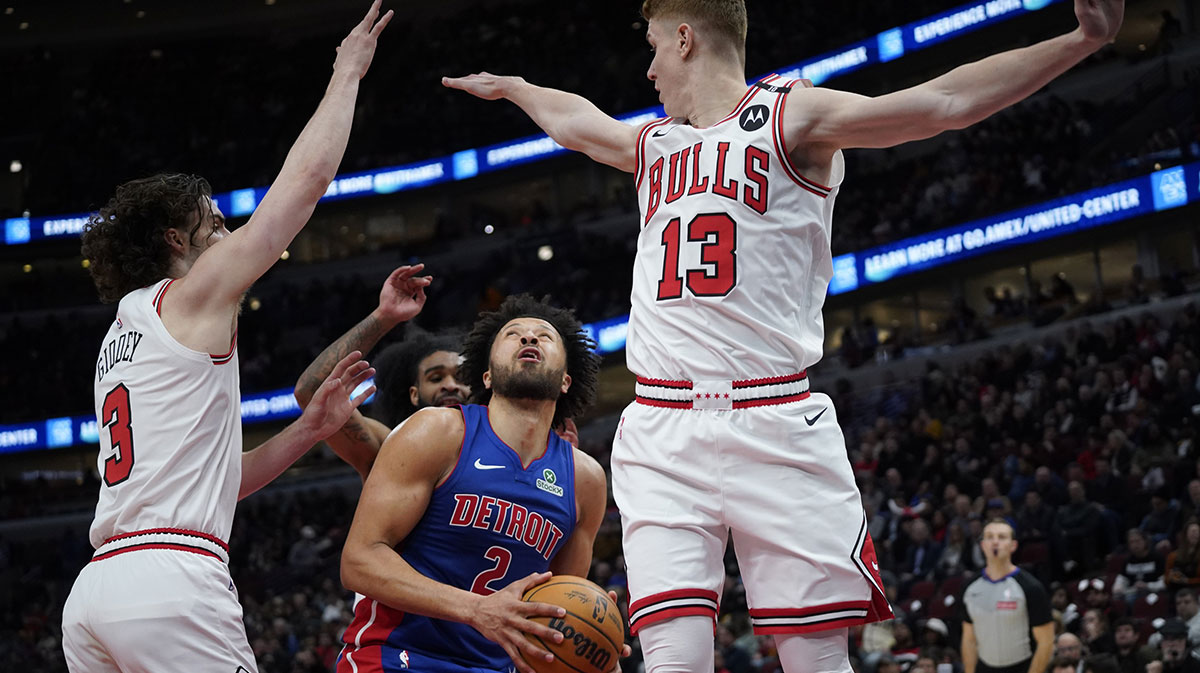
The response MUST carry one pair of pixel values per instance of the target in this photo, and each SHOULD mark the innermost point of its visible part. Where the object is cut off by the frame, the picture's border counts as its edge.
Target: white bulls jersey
(170, 428)
(733, 259)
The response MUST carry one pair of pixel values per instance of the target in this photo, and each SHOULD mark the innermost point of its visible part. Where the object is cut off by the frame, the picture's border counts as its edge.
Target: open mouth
(529, 354)
(448, 401)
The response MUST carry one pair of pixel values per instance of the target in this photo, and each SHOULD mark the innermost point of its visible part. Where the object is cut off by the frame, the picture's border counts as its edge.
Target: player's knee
(822, 652)
(679, 645)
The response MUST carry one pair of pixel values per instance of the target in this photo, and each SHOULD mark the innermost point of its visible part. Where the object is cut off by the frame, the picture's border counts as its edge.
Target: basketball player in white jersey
(157, 595)
(736, 189)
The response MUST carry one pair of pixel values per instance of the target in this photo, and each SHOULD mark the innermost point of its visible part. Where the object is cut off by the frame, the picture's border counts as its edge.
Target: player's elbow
(353, 570)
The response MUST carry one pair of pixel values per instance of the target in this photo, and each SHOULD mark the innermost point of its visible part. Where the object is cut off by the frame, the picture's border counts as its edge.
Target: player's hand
(403, 294)
(332, 405)
(569, 432)
(502, 618)
(355, 54)
(625, 649)
(484, 85)
(1100, 19)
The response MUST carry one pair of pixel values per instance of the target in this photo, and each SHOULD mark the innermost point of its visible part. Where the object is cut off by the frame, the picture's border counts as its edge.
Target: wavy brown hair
(583, 365)
(124, 241)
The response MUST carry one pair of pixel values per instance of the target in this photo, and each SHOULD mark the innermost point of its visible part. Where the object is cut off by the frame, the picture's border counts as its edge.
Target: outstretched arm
(329, 408)
(968, 94)
(571, 120)
(401, 299)
(213, 286)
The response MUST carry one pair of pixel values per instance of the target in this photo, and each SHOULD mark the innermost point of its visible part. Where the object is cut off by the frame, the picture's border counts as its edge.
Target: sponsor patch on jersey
(1006, 605)
(546, 483)
(754, 117)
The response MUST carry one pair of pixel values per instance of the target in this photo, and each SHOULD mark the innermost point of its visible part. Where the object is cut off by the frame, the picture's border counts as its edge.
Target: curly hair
(583, 364)
(396, 370)
(125, 242)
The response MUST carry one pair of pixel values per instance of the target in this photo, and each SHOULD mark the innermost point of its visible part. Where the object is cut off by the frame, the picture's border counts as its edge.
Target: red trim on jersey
(808, 612)
(157, 545)
(521, 462)
(772, 380)
(769, 401)
(371, 630)
(663, 383)
(366, 659)
(641, 149)
(785, 158)
(750, 94)
(863, 557)
(704, 608)
(672, 404)
(174, 531)
(672, 595)
(776, 621)
(227, 357)
(157, 303)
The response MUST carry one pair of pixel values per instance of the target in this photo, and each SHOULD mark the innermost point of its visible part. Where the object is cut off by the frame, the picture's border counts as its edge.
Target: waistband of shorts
(173, 539)
(723, 394)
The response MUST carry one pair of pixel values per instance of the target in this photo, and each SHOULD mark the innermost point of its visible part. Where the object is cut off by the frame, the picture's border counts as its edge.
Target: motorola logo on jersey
(754, 117)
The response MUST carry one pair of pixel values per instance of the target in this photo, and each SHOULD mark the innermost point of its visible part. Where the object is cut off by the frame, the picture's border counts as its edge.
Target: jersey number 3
(717, 233)
(120, 431)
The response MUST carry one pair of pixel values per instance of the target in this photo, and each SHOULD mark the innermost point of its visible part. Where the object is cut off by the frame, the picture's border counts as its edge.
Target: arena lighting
(545, 253)
(15, 166)
(1158, 191)
(889, 45)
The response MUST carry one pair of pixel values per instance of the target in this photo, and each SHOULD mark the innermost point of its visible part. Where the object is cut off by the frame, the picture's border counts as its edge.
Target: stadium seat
(1151, 606)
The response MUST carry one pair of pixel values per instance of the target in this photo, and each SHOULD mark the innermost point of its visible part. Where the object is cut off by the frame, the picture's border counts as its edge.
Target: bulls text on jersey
(511, 520)
(751, 164)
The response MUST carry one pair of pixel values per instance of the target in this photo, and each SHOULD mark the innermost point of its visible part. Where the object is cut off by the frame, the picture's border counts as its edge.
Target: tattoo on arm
(356, 431)
(361, 337)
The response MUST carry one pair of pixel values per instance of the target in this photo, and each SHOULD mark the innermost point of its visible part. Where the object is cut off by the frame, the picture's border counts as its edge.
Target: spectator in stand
(1068, 647)
(1143, 570)
(956, 554)
(1095, 634)
(1062, 664)
(922, 556)
(1183, 564)
(1159, 524)
(1077, 525)
(1130, 657)
(736, 658)
(1035, 520)
(1187, 609)
(1177, 656)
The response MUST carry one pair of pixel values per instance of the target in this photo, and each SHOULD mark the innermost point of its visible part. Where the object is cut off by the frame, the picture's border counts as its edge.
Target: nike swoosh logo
(660, 133)
(814, 419)
(481, 466)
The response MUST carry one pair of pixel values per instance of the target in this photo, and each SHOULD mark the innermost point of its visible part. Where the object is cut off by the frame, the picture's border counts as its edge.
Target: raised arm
(571, 120)
(401, 299)
(825, 120)
(328, 410)
(214, 285)
(413, 460)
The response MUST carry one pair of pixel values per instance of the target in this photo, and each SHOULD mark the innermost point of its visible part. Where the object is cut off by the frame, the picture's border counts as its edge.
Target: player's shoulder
(439, 426)
(588, 469)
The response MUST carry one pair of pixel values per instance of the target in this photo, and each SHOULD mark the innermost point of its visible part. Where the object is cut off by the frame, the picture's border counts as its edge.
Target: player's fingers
(363, 397)
(531, 580)
(514, 653)
(341, 367)
(387, 18)
(361, 371)
(547, 634)
(533, 609)
(372, 14)
(531, 651)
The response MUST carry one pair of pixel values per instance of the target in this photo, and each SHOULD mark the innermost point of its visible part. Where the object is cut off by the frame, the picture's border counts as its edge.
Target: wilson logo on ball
(585, 648)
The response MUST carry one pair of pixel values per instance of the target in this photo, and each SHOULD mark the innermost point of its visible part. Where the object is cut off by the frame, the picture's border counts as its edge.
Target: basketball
(593, 631)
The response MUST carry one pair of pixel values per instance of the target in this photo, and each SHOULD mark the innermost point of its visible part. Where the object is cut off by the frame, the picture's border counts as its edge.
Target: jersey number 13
(717, 234)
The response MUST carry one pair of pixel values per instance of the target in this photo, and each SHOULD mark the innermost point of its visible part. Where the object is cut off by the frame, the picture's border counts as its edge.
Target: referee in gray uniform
(1007, 626)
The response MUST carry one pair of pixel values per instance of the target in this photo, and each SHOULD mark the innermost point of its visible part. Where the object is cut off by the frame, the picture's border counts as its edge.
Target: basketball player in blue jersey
(726, 437)
(466, 508)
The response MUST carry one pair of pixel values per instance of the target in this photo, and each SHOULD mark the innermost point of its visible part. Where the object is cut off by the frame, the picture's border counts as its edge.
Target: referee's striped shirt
(1004, 612)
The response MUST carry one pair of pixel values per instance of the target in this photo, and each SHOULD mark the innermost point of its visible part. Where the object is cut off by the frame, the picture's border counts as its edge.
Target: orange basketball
(593, 630)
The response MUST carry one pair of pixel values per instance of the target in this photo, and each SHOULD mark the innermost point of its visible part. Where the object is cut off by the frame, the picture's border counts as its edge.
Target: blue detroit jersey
(489, 524)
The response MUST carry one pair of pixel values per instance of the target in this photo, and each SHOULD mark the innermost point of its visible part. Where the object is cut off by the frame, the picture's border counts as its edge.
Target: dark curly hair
(583, 364)
(125, 242)
(396, 372)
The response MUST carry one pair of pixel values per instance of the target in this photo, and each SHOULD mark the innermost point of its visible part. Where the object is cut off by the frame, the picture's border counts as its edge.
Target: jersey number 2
(120, 431)
(718, 252)
(502, 558)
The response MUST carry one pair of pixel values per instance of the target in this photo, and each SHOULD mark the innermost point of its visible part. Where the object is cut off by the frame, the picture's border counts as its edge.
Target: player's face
(528, 361)
(437, 382)
(664, 66)
(211, 227)
(998, 542)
